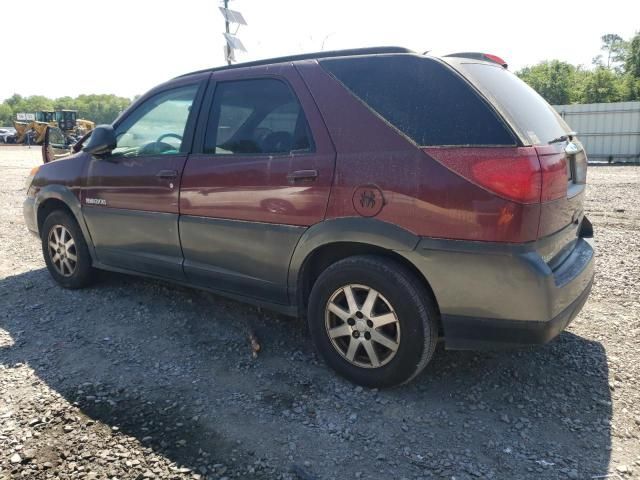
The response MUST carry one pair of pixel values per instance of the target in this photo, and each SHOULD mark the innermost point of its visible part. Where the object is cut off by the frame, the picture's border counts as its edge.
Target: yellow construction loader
(65, 120)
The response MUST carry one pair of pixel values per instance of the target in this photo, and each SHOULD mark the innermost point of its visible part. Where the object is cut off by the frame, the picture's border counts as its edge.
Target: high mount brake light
(496, 59)
(480, 56)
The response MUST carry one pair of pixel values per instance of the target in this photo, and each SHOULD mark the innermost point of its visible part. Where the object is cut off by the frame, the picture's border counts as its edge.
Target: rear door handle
(302, 176)
(168, 174)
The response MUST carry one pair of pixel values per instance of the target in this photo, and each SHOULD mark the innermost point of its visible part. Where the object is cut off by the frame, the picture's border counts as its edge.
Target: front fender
(65, 195)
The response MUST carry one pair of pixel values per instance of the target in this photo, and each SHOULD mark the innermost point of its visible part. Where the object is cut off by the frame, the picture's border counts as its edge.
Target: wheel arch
(333, 240)
(59, 197)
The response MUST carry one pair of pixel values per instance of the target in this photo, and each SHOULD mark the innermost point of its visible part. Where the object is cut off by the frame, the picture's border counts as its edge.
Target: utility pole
(226, 29)
(233, 43)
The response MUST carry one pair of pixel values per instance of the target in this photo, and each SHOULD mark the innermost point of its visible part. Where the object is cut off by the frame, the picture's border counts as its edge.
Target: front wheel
(65, 251)
(373, 321)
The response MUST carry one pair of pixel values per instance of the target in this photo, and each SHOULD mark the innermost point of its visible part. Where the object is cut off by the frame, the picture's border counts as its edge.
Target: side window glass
(260, 116)
(157, 126)
(422, 98)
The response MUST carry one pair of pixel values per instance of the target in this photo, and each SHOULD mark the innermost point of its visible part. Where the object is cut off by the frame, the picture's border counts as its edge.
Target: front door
(261, 178)
(130, 202)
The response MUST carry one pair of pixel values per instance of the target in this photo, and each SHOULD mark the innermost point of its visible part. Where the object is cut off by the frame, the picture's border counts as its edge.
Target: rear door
(261, 177)
(130, 201)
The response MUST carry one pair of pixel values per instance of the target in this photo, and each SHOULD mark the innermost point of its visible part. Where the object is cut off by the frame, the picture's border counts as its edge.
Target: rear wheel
(372, 321)
(65, 251)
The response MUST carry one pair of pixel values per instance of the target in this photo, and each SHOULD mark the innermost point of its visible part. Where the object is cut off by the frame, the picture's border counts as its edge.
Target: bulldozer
(65, 120)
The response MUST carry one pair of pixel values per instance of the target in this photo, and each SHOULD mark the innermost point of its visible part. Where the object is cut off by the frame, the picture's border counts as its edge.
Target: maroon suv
(393, 199)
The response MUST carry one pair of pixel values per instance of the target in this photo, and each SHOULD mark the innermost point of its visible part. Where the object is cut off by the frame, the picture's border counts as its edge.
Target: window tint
(422, 98)
(532, 116)
(256, 117)
(157, 126)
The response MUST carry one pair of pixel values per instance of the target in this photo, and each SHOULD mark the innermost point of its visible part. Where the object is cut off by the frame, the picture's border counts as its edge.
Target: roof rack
(307, 56)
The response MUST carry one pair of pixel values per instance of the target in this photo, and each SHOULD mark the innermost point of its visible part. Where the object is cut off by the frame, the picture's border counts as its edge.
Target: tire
(72, 274)
(403, 310)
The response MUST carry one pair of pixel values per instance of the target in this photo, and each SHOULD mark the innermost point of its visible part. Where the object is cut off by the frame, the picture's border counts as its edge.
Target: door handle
(302, 176)
(167, 174)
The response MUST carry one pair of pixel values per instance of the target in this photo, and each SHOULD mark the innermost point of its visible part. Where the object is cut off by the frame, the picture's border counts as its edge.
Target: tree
(600, 86)
(6, 115)
(98, 108)
(614, 48)
(629, 88)
(632, 61)
(615, 78)
(554, 80)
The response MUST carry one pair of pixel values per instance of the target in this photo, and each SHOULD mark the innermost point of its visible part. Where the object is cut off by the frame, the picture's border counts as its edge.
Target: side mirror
(102, 141)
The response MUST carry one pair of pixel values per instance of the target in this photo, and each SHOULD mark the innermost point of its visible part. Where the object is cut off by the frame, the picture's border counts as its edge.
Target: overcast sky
(125, 47)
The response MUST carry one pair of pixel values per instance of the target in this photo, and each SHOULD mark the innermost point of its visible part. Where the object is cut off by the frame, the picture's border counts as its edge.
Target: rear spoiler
(487, 57)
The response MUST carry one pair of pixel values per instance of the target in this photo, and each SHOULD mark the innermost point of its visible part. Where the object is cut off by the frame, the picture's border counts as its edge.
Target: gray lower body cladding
(30, 215)
(502, 295)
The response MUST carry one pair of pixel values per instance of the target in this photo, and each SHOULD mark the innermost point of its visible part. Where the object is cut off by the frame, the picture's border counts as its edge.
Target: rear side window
(533, 118)
(261, 116)
(422, 98)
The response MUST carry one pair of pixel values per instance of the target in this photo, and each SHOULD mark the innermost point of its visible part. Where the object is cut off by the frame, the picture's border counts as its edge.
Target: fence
(610, 132)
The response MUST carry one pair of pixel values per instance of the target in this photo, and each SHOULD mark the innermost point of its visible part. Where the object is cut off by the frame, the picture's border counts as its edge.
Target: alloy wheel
(362, 325)
(62, 250)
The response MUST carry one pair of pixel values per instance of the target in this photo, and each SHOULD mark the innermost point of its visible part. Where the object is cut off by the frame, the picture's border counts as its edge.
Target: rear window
(529, 113)
(422, 98)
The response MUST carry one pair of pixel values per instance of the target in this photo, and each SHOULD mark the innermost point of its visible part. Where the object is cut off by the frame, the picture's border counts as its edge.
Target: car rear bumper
(469, 333)
(493, 295)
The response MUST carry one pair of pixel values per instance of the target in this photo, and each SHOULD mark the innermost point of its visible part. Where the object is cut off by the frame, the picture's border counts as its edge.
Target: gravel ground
(135, 379)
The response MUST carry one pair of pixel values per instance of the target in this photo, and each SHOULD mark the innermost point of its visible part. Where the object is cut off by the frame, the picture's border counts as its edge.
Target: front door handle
(167, 174)
(302, 176)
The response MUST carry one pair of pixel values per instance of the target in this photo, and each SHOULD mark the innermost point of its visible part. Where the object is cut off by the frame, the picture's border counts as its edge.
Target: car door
(130, 201)
(261, 176)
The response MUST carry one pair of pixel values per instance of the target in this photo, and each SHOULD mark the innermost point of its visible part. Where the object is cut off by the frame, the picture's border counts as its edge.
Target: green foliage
(6, 115)
(615, 78)
(615, 51)
(632, 62)
(98, 108)
(600, 86)
(554, 80)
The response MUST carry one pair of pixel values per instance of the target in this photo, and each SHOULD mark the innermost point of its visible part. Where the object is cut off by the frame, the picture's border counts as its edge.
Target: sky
(125, 47)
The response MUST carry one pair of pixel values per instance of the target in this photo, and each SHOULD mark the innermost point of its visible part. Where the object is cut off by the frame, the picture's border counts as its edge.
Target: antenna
(233, 42)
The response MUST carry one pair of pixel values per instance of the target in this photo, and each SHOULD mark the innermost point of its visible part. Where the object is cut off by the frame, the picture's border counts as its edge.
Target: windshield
(535, 120)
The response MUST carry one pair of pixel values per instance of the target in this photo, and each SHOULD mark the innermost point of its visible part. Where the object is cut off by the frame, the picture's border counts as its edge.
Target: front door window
(157, 127)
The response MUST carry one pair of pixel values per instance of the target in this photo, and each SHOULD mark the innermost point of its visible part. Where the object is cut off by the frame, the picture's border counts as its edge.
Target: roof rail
(307, 56)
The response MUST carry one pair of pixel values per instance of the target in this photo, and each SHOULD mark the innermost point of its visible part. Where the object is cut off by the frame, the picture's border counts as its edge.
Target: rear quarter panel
(420, 194)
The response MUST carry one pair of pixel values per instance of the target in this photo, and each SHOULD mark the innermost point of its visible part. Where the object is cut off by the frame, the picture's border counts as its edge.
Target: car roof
(307, 56)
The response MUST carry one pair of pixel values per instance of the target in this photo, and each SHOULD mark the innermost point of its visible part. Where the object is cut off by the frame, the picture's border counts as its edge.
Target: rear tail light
(557, 172)
(554, 177)
(512, 173)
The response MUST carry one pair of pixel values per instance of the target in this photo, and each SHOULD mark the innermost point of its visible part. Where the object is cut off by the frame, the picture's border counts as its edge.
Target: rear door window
(532, 117)
(258, 116)
(423, 98)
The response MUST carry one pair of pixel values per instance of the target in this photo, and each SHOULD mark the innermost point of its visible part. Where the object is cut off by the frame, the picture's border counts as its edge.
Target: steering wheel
(167, 135)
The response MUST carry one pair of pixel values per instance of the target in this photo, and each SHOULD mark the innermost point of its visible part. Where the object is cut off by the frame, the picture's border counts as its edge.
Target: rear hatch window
(529, 114)
(423, 98)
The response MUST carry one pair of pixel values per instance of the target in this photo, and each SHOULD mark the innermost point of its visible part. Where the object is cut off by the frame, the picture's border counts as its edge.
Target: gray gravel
(135, 379)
